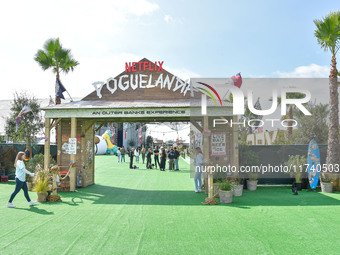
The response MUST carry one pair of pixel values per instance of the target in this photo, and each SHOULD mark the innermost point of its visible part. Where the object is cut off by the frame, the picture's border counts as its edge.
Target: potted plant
(32, 165)
(217, 183)
(252, 182)
(326, 184)
(41, 180)
(296, 165)
(226, 192)
(237, 188)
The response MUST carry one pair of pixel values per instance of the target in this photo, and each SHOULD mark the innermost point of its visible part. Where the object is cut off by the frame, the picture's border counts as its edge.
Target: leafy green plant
(226, 185)
(41, 186)
(296, 165)
(41, 179)
(253, 177)
(33, 163)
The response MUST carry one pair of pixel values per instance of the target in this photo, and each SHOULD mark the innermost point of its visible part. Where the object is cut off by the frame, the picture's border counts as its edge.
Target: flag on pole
(237, 79)
(51, 102)
(140, 134)
(24, 110)
(60, 88)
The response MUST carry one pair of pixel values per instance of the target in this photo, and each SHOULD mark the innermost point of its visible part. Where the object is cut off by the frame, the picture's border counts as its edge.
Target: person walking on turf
(148, 159)
(198, 169)
(143, 153)
(122, 154)
(131, 155)
(177, 154)
(171, 156)
(20, 180)
(118, 154)
(156, 154)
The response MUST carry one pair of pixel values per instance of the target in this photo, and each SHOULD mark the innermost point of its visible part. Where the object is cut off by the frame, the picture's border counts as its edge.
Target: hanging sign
(218, 144)
(72, 146)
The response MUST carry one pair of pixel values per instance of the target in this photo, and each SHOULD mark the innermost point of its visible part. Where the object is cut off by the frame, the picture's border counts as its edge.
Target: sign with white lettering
(72, 146)
(218, 144)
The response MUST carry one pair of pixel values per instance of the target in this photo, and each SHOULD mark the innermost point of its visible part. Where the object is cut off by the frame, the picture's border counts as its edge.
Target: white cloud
(90, 29)
(310, 71)
(168, 18)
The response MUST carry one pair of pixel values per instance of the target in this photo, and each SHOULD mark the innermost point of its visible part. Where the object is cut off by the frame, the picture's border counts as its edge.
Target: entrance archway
(140, 96)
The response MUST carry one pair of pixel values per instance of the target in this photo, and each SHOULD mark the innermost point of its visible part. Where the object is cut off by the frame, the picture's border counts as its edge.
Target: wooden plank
(100, 126)
(47, 144)
(55, 122)
(72, 156)
(91, 124)
(199, 128)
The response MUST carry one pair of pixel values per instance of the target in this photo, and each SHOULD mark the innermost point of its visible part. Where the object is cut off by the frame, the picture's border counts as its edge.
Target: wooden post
(73, 156)
(59, 142)
(206, 151)
(54, 184)
(47, 144)
(235, 160)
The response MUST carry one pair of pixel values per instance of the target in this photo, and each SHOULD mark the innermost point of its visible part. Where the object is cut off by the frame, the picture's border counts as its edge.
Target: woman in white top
(137, 154)
(119, 154)
(20, 180)
(198, 169)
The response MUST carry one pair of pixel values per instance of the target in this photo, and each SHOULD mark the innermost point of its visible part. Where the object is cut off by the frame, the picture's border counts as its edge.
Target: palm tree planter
(326, 184)
(226, 192)
(237, 190)
(252, 182)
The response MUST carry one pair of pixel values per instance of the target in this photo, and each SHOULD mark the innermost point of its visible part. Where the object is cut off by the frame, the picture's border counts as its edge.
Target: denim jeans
(122, 157)
(198, 181)
(18, 186)
(176, 163)
(119, 156)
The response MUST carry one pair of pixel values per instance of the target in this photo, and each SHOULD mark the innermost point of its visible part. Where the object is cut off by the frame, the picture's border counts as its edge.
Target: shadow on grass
(35, 209)
(264, 196)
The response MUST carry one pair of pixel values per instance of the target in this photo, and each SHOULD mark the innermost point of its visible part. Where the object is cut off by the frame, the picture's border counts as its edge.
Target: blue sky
(193, 38)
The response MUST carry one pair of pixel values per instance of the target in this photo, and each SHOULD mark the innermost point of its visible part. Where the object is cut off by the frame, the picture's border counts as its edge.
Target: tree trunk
(290, 123)
(333, 150)
(57, 99)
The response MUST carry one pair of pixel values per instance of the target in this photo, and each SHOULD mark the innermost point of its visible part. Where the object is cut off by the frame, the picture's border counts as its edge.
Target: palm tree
(289, 116)
(328, 36)
(54, 56)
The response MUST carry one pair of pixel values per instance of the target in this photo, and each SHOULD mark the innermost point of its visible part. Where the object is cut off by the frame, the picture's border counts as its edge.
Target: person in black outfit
(131, 155)
(163, 159)
(148, 159)
(156, 154)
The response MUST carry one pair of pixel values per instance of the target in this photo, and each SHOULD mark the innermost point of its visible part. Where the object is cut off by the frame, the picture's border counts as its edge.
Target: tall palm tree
(54, 56)
(328, 35)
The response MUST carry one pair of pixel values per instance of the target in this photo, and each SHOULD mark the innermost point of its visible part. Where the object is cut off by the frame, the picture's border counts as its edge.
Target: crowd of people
(160, 157)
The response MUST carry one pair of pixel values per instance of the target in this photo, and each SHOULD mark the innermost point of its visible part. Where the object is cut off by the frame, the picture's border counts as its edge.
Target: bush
(33, 163)
(226, 185)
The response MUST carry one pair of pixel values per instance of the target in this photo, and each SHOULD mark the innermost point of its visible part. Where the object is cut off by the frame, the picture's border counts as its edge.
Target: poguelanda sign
(142, 75)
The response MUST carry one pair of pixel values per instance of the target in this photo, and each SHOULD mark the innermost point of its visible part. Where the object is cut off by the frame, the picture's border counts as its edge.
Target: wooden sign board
(218, 144)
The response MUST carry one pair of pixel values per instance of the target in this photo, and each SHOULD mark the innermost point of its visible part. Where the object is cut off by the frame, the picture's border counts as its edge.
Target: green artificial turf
(151, 212)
